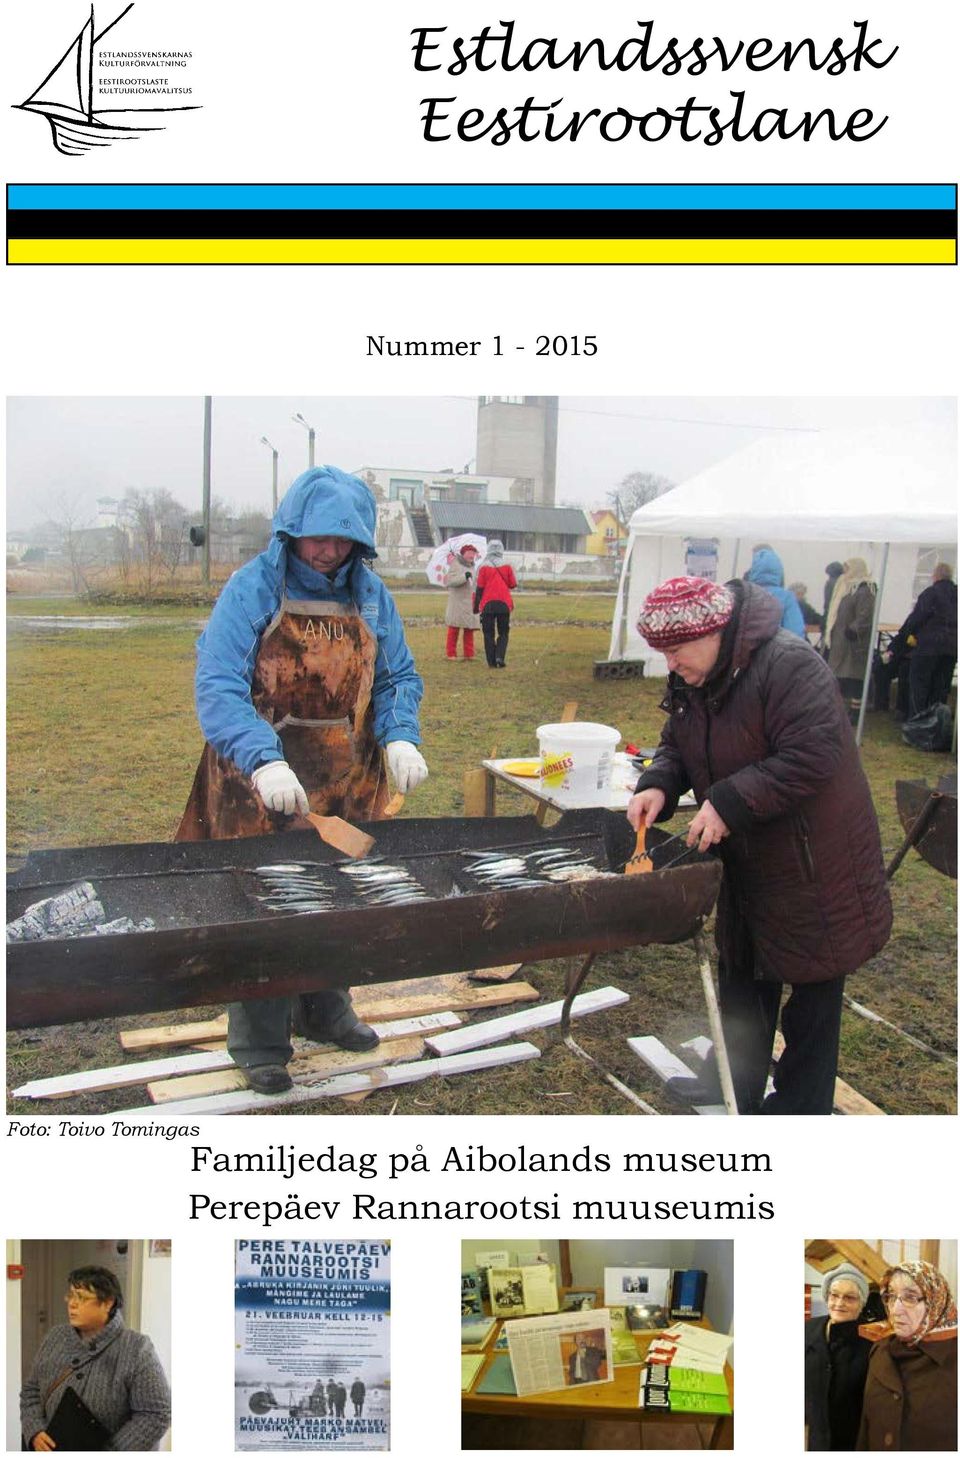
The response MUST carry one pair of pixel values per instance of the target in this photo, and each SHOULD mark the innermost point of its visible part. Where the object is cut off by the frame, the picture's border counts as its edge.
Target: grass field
(102, 745)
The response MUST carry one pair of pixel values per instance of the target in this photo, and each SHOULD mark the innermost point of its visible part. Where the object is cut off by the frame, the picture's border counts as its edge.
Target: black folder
(74, 1427)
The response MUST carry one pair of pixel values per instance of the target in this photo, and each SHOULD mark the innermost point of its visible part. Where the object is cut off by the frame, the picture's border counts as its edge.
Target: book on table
(523, 1290)
(687, 1292)
(654, 1399)
(685, 1379)
(476, 1331)
(470, 1364)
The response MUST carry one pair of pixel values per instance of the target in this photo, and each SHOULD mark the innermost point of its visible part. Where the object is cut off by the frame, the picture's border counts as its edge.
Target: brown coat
(910, 1401)
(768, 742)
(848, 656)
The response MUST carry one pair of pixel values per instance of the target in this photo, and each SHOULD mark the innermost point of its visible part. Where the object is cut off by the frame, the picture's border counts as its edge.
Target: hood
(494, 552)
(766, 569)
(327, 502)
(756, 618)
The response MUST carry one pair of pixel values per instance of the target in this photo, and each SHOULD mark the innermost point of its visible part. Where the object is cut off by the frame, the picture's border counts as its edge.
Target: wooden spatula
(342, 835)
(640, 861)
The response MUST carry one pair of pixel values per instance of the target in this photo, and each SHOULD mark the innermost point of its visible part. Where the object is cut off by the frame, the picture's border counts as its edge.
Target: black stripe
(482, 223)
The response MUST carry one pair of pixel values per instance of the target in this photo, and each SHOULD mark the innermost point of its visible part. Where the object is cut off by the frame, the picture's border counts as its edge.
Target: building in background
(517, 437)
(608, 537)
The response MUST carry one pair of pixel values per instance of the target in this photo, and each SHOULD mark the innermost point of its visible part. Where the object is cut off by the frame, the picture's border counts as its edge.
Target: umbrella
(440, 561)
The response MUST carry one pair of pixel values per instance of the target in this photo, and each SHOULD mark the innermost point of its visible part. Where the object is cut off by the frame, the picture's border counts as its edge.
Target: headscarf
(494, 557)
(855, 572)
(940, 1309)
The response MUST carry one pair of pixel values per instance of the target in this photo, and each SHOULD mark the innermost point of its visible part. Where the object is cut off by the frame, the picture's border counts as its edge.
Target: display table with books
(638, 1392)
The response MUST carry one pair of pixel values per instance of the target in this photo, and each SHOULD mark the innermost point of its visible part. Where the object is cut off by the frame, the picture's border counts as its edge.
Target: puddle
(62, 622)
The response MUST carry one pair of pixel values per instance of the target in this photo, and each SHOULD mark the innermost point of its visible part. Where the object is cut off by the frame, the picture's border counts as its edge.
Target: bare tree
(637, 489)
(156, 522)
(66, 524)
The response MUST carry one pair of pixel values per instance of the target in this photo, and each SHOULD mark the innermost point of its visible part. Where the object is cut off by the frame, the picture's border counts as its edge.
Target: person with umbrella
(461, 565)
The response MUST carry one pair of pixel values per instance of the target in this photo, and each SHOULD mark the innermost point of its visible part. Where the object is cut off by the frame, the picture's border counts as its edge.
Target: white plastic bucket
(576, 760)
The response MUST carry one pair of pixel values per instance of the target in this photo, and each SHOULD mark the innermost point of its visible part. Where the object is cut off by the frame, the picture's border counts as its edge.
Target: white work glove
(279, 788)
(407, 765)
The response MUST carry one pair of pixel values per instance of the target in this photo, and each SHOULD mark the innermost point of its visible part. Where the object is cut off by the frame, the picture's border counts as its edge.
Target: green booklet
(656, 1399)
(685, 1379)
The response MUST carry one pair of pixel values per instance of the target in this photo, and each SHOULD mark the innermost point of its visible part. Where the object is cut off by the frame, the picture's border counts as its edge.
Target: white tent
(887, 495)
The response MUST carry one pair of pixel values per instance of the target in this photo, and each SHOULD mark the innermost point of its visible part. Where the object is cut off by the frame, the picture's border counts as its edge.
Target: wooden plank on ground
(246, 1101)
(172, 1035)
(386, 1001)
(469, 999)
(209, 1060)
(480, 1035)
(846, 1100)
(495, 974)
(307, 1069)
(666, 1065)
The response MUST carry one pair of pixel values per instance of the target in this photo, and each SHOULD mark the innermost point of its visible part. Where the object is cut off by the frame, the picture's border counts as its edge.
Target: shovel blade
(342, 835)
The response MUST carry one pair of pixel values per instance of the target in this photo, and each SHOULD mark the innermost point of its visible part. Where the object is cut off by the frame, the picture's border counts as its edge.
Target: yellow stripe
(482, 250)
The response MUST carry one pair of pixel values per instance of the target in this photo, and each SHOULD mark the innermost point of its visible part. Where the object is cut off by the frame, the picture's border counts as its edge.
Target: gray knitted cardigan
(118, 1375)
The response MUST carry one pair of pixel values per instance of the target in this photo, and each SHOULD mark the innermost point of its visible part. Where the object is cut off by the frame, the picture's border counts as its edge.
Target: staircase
(420, 521)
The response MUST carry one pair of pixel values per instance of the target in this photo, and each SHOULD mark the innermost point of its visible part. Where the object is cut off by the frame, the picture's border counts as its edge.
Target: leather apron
(312, 681)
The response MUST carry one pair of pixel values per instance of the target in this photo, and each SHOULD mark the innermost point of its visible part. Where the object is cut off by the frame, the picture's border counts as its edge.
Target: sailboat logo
(65, 98)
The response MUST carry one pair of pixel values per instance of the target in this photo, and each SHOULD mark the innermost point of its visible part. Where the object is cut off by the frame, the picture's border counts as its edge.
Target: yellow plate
(525, 768)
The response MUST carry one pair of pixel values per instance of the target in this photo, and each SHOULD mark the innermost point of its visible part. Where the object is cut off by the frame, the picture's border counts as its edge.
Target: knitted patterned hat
(682, 609)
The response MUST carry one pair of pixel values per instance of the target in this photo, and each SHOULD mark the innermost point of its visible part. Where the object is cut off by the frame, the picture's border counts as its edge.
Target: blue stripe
(481, 195)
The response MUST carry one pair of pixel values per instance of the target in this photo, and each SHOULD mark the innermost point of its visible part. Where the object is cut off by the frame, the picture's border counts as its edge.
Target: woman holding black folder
(93, 1383)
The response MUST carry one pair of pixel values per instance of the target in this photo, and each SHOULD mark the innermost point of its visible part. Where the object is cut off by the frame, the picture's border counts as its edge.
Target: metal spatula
(342, 835)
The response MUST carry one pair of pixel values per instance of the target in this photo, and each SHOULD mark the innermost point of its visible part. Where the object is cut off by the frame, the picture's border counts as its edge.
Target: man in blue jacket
(304, 683)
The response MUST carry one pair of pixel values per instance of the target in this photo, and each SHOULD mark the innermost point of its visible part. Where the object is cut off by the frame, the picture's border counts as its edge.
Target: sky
(65, 451)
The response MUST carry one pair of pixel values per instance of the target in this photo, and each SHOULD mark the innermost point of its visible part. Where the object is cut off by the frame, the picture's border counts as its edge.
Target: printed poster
(312, 1346)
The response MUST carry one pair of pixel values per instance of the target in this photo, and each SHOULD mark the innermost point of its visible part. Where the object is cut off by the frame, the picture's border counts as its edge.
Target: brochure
(312, 1370)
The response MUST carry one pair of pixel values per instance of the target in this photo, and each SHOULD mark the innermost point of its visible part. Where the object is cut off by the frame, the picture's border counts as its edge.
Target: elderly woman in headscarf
(847, 633)
(910, 1402)
(835, 1363)
(492, 600)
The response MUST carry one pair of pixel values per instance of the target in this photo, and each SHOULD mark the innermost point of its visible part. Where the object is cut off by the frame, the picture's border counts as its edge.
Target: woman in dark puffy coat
(835, 1363)
(758, 730)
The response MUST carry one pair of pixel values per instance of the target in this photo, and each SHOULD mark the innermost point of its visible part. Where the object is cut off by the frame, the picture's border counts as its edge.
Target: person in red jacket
(492, 600)
(758, 730)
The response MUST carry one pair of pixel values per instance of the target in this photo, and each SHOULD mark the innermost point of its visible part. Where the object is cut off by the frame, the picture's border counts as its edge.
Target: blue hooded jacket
(766, 570)
(322, 502)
